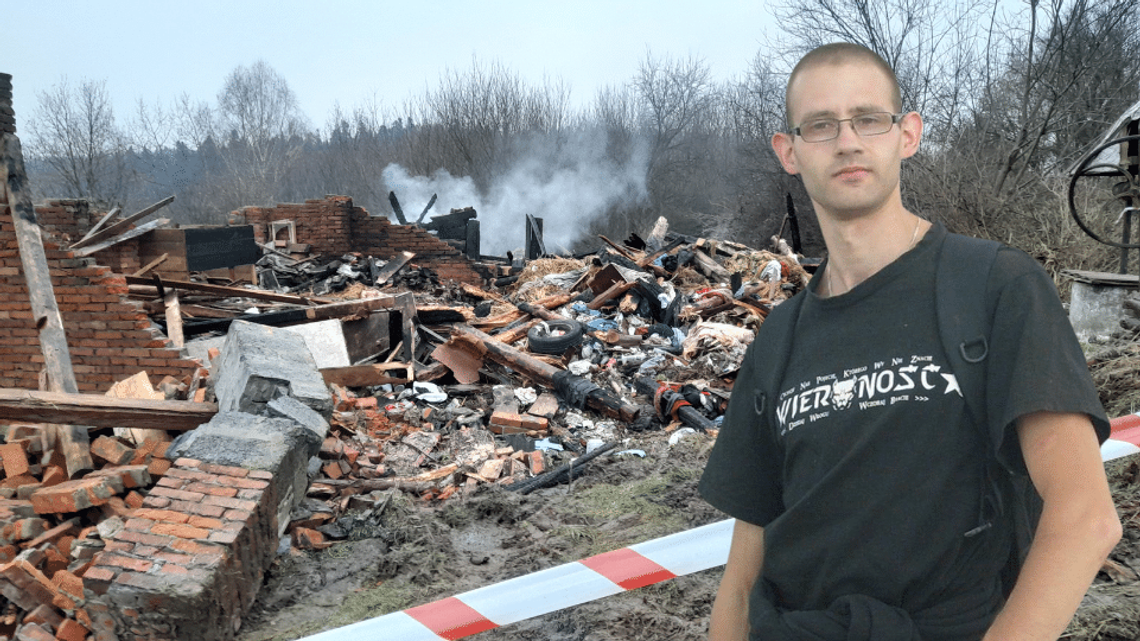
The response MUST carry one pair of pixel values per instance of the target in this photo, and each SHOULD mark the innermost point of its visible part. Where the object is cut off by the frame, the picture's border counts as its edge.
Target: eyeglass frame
(896, 118)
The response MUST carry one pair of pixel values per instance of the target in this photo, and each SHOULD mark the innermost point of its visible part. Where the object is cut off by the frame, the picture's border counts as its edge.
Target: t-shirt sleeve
(743, 476)
(1036, 361)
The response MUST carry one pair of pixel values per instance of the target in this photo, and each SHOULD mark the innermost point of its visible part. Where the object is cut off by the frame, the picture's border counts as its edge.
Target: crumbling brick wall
(109, 336)
(333, 225)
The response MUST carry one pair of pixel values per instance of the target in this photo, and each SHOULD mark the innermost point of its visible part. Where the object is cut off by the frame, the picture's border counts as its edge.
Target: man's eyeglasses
(874, 123)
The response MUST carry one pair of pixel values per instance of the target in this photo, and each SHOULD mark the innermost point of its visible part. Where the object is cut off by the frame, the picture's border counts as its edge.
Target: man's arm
(1079, 527)
(729, 620)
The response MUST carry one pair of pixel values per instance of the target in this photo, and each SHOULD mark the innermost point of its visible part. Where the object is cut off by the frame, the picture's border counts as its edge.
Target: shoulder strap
(963, 318)
(778, 328)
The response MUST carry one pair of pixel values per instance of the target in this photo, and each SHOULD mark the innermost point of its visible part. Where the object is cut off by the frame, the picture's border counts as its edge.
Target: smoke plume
(568, 187)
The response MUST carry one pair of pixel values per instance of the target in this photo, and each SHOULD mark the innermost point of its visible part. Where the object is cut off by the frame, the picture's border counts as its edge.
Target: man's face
(852, 175)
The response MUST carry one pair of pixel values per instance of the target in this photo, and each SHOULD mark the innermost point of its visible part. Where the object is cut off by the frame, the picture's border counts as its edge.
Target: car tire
(554, 337)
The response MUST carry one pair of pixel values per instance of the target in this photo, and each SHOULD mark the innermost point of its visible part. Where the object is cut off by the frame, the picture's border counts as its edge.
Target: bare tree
(262, 131)
(73, 132)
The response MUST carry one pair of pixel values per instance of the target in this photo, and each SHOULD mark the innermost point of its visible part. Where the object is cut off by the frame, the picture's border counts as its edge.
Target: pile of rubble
(519, 384)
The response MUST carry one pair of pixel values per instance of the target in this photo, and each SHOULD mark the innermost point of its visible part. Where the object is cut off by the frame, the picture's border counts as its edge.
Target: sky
(357, 53)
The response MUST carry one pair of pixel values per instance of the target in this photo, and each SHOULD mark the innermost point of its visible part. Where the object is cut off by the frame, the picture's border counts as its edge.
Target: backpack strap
(777, 331)
(963, 318)
(964, 323)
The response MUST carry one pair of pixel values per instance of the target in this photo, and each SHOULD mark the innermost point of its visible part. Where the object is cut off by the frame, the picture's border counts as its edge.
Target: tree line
(1012, 92)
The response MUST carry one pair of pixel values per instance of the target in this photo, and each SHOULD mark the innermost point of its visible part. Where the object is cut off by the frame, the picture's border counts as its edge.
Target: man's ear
(782, 144)
(911, 127)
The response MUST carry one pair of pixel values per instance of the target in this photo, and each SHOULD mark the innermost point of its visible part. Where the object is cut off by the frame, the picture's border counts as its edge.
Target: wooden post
(173, 318)
(45, 311)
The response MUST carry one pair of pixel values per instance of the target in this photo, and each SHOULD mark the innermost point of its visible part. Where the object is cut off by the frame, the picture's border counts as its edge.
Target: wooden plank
(391, 267)
(151, 265)
(133, 233)
(99, 225)
(173, 318)
(221, 290)
(123, 225)
(53, 340)
(364, 375)
(102, 411)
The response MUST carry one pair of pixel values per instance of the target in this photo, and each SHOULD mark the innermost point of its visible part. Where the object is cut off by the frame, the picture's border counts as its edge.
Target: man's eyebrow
(827, 113)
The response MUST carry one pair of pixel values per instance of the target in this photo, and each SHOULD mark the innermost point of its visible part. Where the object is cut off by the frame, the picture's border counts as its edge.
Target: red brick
(111, 450)
(233, 504)
(225, 470)
(68, 583)
(33, 632)
(15, 456)
(180, 495)
(212, 490)
(204, 522)
(179, 531)
(44, 614)
(144, 538)
(170, 516)
(72, 496)
(71, 630)
(126, 562)
(53, 475)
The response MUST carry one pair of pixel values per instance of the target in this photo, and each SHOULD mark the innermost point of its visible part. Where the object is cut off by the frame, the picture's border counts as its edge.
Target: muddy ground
(405, 552)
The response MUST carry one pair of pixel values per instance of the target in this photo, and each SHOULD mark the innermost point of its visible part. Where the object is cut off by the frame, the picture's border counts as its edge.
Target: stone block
(259, 363)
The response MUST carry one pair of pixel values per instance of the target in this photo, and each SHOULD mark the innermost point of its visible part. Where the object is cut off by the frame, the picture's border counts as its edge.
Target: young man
(858, 511)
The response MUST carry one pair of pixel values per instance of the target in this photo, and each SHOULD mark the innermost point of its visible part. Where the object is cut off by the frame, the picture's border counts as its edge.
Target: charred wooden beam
(574, 390)
(395, 202)
(425, 211)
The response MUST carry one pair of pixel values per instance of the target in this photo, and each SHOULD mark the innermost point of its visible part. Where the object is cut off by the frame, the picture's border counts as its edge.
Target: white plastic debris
(429, 392)
(676, 437)
(526, 395)
(547, 445)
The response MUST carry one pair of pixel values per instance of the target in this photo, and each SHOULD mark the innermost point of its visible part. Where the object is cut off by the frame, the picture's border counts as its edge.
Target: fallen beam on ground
(575, 390)
(364, 375)
(97, 410)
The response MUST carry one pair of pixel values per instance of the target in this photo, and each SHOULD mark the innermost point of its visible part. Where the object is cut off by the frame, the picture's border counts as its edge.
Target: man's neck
(858, 247)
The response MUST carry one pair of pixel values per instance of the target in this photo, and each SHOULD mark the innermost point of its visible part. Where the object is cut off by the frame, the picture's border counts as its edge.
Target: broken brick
(15, 457)
(71, 630)
(111, 450)
(73, 496)
(33, 632)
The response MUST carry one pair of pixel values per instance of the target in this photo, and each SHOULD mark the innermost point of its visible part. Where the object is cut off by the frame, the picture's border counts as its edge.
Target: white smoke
(568, 188)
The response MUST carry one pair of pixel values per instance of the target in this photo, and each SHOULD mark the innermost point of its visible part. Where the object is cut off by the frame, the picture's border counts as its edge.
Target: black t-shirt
(873, 472)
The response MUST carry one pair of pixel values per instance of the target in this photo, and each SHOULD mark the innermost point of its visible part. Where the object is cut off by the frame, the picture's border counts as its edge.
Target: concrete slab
(326, 342)
(259, 363)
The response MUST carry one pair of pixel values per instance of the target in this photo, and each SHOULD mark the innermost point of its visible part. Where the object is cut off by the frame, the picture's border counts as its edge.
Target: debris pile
(434, 389)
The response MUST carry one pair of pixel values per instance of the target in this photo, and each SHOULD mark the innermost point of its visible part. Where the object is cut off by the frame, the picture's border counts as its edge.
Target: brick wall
(72, 217)
(333, 225)
(188, 563)
(109, 336)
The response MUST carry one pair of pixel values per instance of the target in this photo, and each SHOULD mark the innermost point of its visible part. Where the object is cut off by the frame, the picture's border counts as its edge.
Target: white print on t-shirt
(881, 384)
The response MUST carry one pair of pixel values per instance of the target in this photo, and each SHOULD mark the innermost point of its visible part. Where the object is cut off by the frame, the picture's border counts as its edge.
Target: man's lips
(851, 172)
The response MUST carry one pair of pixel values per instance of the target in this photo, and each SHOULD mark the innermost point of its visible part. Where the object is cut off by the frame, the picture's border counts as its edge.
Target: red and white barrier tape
(595, 577)
(1124, 439)
(550, 590)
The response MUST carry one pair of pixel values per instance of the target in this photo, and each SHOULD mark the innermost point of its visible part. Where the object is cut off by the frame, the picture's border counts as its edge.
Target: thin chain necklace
(913, 241)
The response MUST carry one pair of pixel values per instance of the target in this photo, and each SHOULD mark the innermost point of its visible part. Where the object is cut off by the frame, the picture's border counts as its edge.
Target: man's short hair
(838, 53)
